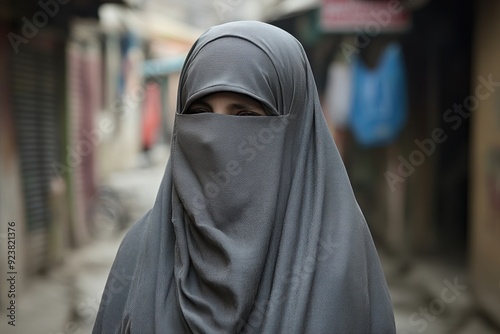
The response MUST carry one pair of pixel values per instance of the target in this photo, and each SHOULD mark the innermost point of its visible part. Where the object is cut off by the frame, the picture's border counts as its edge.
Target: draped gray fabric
(255, 228)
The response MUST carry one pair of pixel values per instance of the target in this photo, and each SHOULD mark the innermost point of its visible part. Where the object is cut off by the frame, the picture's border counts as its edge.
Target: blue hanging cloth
(379, 99)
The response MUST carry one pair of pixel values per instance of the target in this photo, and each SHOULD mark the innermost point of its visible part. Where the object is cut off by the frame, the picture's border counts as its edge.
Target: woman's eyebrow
(239, 105)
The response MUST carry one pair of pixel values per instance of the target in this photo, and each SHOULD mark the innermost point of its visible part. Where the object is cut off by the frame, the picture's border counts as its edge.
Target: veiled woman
(255, 228)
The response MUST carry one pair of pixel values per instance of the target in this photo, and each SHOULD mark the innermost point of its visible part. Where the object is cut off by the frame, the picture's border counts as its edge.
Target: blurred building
(484, 163)
(51, 80)
(48, 102)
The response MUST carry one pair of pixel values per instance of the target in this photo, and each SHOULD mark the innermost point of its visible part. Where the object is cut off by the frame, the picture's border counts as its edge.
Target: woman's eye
(247, 113)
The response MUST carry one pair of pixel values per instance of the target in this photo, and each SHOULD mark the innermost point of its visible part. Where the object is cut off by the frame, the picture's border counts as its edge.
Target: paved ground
(428, 297)
(432, 297)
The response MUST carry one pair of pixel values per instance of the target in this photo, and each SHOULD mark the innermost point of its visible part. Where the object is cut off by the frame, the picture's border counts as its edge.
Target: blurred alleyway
(66, 300)
(96, 82)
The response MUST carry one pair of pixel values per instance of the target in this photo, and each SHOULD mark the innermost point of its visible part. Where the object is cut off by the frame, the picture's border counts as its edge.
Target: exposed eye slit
(227, 103)
(197, 110)
(201, 110)
(248, 113)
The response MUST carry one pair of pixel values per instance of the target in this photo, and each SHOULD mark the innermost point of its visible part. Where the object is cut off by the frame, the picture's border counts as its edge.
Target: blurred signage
(368, 16)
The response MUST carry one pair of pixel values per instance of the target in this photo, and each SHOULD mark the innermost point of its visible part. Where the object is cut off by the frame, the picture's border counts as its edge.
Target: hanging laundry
(379, 99)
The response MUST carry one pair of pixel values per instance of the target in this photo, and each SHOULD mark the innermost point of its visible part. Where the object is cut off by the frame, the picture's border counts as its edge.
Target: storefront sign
(370, 16)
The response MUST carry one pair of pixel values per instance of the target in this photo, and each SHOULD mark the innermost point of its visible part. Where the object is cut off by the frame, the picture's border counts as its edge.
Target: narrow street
(66, 300)
(139, 187)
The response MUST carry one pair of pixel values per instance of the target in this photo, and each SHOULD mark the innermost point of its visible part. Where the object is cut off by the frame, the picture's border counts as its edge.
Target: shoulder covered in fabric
(116, 291)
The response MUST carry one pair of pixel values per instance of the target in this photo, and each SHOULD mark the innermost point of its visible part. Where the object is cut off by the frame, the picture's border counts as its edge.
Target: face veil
(255, 228)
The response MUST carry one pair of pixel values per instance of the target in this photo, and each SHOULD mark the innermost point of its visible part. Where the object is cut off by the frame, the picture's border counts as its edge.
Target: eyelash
(247, 113)
(240, 113)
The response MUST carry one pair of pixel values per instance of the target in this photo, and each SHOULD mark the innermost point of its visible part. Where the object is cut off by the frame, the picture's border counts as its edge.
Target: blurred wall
(485, 171)
(11, 204)
(119, 119)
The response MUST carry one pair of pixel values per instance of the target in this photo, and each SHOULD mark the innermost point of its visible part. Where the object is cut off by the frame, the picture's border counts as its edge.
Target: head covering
(255, 228)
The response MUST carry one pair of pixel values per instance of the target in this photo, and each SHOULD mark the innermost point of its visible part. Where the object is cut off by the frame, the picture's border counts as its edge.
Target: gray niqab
(255, 228)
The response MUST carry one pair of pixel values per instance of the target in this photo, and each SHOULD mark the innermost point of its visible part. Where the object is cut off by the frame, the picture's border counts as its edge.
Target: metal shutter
(33, 75)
